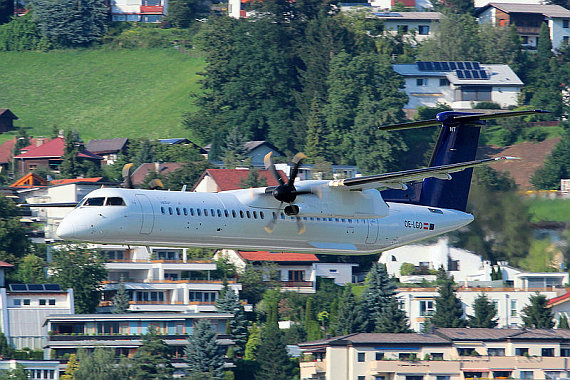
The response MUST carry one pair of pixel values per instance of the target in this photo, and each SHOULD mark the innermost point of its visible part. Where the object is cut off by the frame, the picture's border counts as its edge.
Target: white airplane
(348, 216)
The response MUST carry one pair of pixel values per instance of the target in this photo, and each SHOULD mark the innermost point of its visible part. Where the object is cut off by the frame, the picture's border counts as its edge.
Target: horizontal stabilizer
(399, 179)
(453, 118)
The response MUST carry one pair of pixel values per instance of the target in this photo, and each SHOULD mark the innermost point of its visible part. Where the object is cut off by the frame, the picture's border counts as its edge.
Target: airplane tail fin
(457, 142)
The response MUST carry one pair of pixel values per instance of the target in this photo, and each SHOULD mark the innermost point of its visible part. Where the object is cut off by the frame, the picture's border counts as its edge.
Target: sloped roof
(53, 149)
(5, 264)
(75, 180)
(5, 112)
(546, 10)
(277, 256)
(231, 179)
(397, 16)
(30, 180)
(165, 167)
(477, 333)
(379, 338)
(6, 151)
(103, 146)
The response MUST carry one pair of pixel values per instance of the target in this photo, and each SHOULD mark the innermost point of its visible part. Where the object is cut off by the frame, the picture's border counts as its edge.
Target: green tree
(272, 358)
(14, 244)
(315, 144)
(253, 343)
(6, 11)
(253, 179)
(121, 299)
(536, 315)
(181, 13)
(311, 325)
(485, 313)
(556, 165)
(71, 368)
(6, 351)
(203, 354)
(18, 373)
(71, 23)
(235, 151)
(71, 166)
(152, 359)
(502, 45)
(349, 315)
(392, 318)
(31, 270)
(21, 33)
(74, 266)
(448, 308)
(97, 365)
(563, 322)
(228, 302)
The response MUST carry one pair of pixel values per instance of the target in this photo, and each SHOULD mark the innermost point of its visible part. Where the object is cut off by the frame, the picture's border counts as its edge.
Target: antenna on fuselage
(183, 188)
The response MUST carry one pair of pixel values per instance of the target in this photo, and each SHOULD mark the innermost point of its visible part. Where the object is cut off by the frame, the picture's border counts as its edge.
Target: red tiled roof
(277, 256)
(6, 151)
(5, 264)
(74, 180)
(53, 149)
(232, 179)
(559, 299)
(142, 171)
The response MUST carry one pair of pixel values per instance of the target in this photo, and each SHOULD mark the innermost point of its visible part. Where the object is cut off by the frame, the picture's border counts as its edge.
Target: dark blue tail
(457, 142)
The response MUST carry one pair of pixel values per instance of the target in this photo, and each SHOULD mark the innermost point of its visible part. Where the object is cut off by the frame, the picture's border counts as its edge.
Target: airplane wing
(398, 180)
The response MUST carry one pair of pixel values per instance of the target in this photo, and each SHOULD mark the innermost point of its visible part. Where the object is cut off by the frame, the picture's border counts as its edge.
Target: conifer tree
(97, 365)
(392, 319)
(349, 315)
(311, 325)
(448, 308)
(6, 351)
(380, 289)
(121, 299)
(485, 313)
(203, 354)
(536, 314)
(228, 302)
(152, 359)
(563, 322)
(315, 144)
(253, 343)
(272, 358)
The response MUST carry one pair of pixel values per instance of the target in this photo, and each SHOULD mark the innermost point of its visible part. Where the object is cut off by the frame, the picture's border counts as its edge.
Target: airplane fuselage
(334, 222)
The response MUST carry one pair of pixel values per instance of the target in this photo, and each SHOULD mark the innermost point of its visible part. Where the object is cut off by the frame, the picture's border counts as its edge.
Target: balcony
(151, 9)
(182, 281)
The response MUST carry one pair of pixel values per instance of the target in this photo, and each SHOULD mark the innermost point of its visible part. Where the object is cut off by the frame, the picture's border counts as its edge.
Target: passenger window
(115, 201)
(240, 213)
(226, 213)
(185, 211)
(212, 212)
(98, 201)
(255, 215)
(342, 220)
(282, 216)
(261, 215)
(162, 210)
(199, 212)
(205, 212)
(234, 213)
(177, 211)
(192, 211)
(248, 214)
(219, 213)
(170, 210)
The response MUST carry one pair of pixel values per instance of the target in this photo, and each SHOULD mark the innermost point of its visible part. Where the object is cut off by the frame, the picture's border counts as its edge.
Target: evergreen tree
(253, 343)
(556, 165)
(18, 373)
(235, 152)
(71, 23)
(485, 313)
(315, 145)
(349, 315)
(6, 11)
(70, 166)
(6, 351)
(98, 365)
(272, 358)
(253, 179)
(392, 319)
(75, 267)
(14, 244)
(203, 354)
(31, 270)
(544, 48)
(377, 296)
(228, 302)
(536, 314)
(152, 359)
(448, 308)
(563, 322)
(121, 299)
(181, 13)
(311, 325)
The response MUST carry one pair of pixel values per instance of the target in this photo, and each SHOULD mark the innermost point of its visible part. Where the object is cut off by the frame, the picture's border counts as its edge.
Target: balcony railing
(296, 284)
(159, 261)
(183, 281)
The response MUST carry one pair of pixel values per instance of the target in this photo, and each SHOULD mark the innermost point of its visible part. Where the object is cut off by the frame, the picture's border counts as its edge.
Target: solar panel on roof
(437, 66)
(445, 66)
(452, 65)
(468, 65)
(429, 66)
(35, 287)
(422, 66)
(467, 74)
(460, 65)
(475, 74)
(476, 66)
(18, 287)
(52, 287)
(483, 74)
(459, 74)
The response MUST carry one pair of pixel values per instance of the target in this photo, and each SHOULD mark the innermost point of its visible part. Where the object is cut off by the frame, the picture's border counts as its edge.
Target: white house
(459, 84)
(420, 24)
(138, 10)
(528, 18)
(36, 369)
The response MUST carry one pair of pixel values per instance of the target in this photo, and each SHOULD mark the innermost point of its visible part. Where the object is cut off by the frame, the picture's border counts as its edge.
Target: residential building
(109, 149)
(292, 271)
(161, 279)
(24, 307)
(459, 84)
(419, 24)
(49, 155)
(309, 171)
(255, 151)
(7, 150)
(122, 332)
(162, 168)
(419, 303)
(138, 10)
(446, 354)
(7, 118)
(528, 18)
(419, 5)
(215, 180)
(3, 267)
(37, 369)
(184, 141)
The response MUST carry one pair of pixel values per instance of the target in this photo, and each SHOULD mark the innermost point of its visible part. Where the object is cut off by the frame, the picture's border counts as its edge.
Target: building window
(402, 28)
(423, 30)
(421, 82)
(565, 23)
(437, 356)
(379, 356)
(443, 82)
(296, 275)
(43, 302)
(526, 375)
(496, 351)
(407, 356)
(521, 351)
(502, 374)
(548, 352)
(17, 302)
(426, 307)
(465, 351)
(453, 265)
(441, 377)
(414, 378)
(565, 352)
(565, 40)
(333, 271)
(476, 93)
(361, 357)
(361, 377)
(513, 308)
(26, 302)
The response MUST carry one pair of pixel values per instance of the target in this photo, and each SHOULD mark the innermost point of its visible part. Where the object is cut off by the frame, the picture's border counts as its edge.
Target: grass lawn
(557, 210)
(101, 93)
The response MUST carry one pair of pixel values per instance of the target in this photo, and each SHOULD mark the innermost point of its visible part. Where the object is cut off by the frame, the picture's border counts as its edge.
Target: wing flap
(398, 180)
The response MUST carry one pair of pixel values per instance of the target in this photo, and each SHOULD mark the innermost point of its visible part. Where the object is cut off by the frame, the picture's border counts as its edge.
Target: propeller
(127, 180)
(286, 191)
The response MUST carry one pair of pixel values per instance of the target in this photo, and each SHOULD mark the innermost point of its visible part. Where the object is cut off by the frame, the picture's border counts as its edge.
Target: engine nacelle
(291, 210)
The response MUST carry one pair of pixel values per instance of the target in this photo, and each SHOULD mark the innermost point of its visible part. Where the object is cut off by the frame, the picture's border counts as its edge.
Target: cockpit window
(115, 201)
(96, 201)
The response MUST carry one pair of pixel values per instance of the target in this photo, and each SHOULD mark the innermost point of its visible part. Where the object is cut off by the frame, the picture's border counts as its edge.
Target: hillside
(101, 93)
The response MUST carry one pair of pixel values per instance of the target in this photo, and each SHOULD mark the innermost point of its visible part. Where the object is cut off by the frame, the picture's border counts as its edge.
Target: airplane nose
(65, 230)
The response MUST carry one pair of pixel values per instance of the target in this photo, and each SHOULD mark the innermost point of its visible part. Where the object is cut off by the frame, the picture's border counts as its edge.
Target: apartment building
(161, 280)
(446, 354)
(36, 369)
